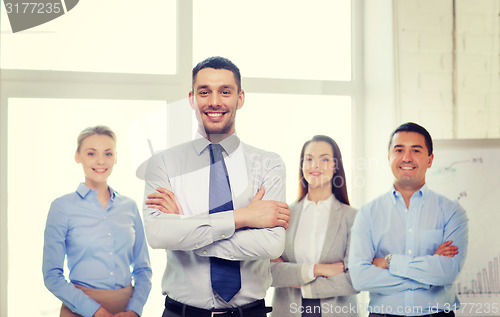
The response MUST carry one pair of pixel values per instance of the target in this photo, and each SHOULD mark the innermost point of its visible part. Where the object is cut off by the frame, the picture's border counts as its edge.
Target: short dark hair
(218, 62)
(413, 127)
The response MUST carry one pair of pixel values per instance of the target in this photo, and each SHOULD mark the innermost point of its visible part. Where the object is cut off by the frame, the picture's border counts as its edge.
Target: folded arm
(333, 279)
(437, 269)
(364, 275)
(261, 224)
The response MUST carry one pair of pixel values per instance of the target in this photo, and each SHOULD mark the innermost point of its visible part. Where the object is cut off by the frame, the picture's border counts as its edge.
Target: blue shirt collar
(422, 192)
(83, 191)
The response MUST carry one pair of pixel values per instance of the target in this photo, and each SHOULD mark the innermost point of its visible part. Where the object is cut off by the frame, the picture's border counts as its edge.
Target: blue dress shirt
(417, 282)
(101, 244)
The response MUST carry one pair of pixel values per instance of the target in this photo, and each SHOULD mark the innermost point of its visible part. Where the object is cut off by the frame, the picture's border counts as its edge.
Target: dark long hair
(339, 187)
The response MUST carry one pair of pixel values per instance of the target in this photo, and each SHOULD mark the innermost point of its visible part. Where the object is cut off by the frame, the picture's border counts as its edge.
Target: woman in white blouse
(311, 277)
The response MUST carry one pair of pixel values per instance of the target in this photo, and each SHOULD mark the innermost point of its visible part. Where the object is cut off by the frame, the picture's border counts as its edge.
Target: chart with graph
(469, 171)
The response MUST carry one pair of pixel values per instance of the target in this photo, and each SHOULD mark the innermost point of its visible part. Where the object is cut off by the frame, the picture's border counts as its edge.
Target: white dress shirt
(310, 237)
(192, 238)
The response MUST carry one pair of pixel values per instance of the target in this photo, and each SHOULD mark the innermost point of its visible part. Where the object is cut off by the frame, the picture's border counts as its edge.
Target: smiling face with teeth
(318, 166)
(409, 160)
(215, 99)
(97, 156)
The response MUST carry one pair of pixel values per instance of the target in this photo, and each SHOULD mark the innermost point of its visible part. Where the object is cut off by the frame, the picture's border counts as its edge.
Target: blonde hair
(98, 129)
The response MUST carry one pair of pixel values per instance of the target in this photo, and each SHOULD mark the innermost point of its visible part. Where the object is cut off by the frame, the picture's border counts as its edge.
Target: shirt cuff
(306, 291)
(135, 307)
(307, 273)
(222, 224)
(400, 264)
(89, 309)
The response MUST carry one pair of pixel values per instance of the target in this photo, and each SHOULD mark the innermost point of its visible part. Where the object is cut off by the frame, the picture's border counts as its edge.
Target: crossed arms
(370, 273)
(249, 233)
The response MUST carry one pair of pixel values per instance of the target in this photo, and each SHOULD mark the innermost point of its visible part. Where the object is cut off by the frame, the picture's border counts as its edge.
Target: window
(297, 64)
(277, 39)
(112, 36)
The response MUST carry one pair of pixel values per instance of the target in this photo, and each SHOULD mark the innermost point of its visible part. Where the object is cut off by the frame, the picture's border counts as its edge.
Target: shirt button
(222, 236)
(421, 280)
(197, 246)
(109, 233)
(205, 252)
(231, 256)
(111, 273)
(397, 272)
(406, 210)
(110, 253)
(410, 230)
(409, 251)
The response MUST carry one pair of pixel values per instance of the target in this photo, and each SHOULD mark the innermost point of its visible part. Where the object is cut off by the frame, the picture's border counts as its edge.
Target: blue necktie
(225, 274)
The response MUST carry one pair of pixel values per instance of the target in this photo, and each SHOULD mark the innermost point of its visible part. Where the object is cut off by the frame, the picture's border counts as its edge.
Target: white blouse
(310, 236)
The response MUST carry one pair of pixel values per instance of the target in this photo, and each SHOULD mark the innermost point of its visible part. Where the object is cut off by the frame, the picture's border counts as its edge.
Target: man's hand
(327, 270)
(446, 249)
(380, 262)
(102, 312)
(165, 201)
(127, 313)
(262, 213)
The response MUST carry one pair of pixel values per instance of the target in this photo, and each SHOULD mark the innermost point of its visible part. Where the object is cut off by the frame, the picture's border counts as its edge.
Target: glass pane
(117, 36)
(276, 39)
(41, 164)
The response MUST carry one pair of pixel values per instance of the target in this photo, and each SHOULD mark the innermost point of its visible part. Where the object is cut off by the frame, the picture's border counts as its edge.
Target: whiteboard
(469, 170)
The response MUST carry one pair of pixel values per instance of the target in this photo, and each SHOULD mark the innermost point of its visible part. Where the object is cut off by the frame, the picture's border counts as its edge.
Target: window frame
(86, 85)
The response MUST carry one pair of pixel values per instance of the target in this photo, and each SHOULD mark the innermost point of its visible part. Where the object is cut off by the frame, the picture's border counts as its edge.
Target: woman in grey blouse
(311, 277)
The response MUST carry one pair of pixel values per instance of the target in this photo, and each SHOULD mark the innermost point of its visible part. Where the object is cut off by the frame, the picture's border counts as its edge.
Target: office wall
(432, 62)
(448, 73)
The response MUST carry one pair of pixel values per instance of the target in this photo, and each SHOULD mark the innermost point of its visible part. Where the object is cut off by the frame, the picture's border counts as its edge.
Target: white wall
(379, 94)
(470, 107)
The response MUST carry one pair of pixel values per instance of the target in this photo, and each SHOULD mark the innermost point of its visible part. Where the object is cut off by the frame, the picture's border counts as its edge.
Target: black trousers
(312, 307)
(177, 309)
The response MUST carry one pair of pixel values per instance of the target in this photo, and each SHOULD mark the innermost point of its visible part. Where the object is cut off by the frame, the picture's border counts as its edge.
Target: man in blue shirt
(408, 245)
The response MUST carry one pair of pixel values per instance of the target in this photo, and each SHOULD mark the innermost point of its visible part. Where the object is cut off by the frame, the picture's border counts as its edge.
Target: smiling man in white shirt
(217, 206)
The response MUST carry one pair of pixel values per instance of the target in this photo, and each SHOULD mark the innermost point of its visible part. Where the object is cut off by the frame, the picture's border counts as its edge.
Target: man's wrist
(388, 259)
(239, 218)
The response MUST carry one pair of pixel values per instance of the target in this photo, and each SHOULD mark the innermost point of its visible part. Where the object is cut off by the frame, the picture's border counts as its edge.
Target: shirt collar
(327, 203)
(422, 192)
(83, 190)
(229, 144)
